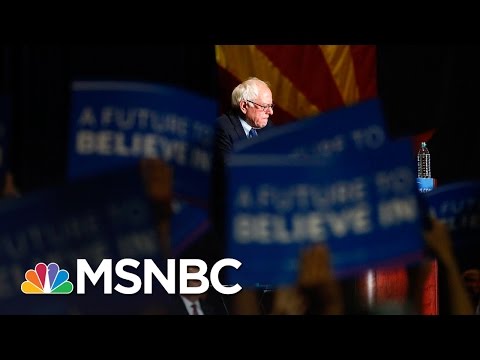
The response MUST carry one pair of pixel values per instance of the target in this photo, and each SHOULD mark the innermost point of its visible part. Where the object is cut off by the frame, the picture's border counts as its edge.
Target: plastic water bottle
(423, 162)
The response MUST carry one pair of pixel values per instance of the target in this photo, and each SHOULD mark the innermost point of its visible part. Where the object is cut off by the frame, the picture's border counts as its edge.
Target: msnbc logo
(47, 280)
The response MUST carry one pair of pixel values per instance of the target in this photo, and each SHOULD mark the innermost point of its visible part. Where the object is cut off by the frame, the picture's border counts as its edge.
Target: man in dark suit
(207, 303)
(251, 109)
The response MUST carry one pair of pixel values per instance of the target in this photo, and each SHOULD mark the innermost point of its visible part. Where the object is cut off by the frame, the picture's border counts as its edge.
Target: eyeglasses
(264, 107)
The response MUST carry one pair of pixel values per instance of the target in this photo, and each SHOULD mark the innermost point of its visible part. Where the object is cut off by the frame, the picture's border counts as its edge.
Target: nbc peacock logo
(47, 280)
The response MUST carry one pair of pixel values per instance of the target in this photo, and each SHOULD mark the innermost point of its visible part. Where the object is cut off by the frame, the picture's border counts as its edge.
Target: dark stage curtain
(422, 87)
(38, 77)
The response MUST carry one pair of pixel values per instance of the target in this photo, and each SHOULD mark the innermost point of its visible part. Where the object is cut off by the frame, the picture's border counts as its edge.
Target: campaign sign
(102, 217)
(362, 202)
(188, 224)
(458, 205)
(115, 123)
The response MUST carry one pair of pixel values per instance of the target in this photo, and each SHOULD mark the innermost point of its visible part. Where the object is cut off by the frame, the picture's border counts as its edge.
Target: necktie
(252, 133)
(194, 309)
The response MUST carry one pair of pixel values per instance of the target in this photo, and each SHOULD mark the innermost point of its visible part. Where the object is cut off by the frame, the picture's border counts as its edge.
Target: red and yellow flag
(305, 79)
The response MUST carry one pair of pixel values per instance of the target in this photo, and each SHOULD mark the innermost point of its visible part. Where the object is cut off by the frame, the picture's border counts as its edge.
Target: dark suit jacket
(228, 131)
(210, 306)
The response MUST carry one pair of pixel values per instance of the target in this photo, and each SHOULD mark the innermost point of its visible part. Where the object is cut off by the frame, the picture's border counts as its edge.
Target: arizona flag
(305, 79)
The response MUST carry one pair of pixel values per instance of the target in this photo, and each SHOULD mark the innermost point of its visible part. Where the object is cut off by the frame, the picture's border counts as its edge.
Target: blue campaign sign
(103, 217)
(360, 200)
(360, 127)
(188, 224)
(115, 123)
(458, 205)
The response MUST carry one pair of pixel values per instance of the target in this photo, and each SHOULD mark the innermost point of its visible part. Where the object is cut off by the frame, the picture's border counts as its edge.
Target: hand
(158, 179)
(439, 241)
(289, 301)
(315, 267)
(9, 188)
(318, 282)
